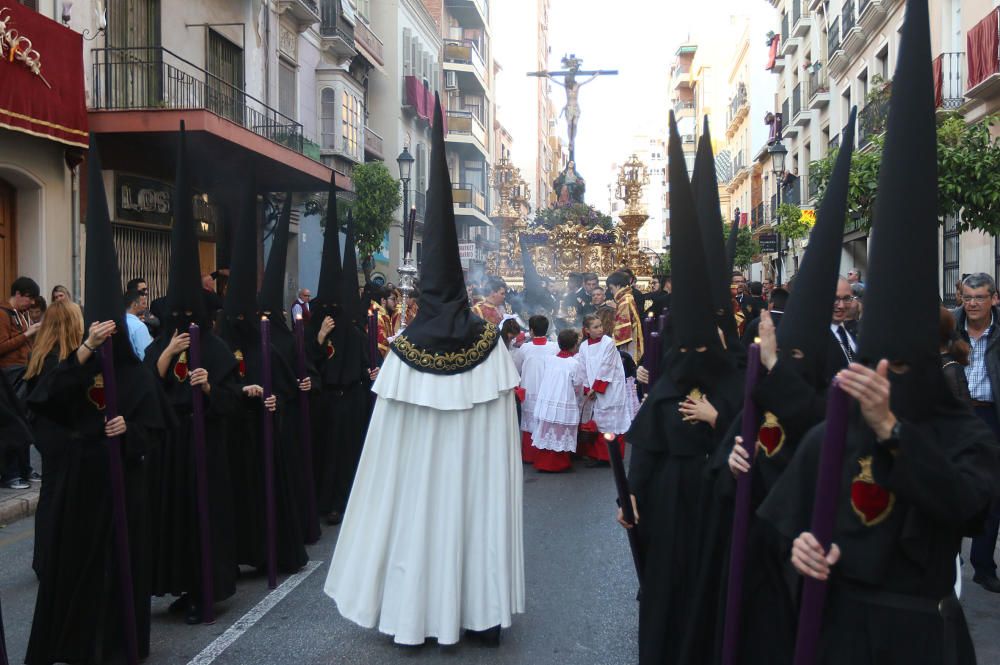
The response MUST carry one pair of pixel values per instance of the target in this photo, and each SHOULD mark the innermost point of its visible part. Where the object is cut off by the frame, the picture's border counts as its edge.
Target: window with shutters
(224, 91)
(30, 4)
(287, 93)
(950, 264)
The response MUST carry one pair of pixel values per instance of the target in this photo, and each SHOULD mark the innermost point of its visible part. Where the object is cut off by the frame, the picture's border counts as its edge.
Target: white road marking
(256, 613)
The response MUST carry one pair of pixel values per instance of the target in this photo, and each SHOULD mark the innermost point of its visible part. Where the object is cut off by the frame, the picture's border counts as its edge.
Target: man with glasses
(976, 322)
(845, 346)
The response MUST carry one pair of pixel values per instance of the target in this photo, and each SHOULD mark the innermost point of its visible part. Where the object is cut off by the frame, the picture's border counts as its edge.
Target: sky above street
(639, 39)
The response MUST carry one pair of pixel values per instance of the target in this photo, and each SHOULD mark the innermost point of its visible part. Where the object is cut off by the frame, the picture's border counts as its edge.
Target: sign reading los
(143, 200)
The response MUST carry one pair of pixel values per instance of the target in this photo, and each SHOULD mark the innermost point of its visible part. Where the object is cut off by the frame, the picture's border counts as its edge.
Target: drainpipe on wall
(75, 222)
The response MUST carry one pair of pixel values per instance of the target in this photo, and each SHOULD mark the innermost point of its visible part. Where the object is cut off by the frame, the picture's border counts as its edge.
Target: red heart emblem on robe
(181, 368)
(95, 394)
(329, 349)
(242, 363)
(871, 502)
(771, 435)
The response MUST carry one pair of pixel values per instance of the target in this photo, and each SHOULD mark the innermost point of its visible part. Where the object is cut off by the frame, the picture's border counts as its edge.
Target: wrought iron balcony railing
(154, 78)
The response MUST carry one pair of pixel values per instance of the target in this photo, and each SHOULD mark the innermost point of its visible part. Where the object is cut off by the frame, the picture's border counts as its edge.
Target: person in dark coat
(955, 353)
(177, 548)
(776, 308)
(240, 330)
(920, 468)
(79, 615)
(677, 427)
(339, 349)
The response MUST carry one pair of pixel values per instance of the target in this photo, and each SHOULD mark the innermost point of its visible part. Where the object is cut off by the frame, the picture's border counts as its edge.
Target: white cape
(432, 540)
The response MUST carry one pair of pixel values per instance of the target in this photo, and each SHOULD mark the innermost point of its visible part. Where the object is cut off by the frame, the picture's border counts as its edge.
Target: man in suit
(583, 298)
(843, 344)
(659, 302)
(301, 305)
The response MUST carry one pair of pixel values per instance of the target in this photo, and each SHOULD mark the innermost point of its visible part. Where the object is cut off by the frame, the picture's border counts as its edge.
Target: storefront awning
(41, 76)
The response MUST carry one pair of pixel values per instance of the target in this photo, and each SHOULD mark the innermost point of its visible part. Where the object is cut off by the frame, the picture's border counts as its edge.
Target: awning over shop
(41, 76)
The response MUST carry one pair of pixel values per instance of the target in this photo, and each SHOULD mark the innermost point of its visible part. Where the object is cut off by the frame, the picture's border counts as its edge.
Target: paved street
(580, 590)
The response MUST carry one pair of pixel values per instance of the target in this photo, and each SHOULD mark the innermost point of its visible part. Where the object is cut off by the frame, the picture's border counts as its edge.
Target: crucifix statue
(572, 85)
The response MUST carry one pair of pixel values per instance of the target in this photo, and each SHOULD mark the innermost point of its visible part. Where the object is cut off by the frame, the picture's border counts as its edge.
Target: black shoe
(180, 605)
(488, 638)
(334, 518)
(987, 581)
(193, 616)
(16, 484)
(35, 477)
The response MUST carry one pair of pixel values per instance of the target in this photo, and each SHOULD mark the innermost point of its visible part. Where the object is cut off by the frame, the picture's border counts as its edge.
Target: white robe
(557, 411)
(530, 362)
(602, 363)
(432, 541)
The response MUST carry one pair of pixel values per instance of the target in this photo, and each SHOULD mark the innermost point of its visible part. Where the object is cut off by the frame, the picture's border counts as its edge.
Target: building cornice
(424, 18)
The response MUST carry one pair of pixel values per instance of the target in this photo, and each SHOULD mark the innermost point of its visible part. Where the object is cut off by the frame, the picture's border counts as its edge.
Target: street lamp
(407, 271)
(778, 152)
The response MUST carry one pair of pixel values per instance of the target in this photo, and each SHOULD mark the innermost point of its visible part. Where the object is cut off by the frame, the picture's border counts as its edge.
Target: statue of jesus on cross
(572, 86)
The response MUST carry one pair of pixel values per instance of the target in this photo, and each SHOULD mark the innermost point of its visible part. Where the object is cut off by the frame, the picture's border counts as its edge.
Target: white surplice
(530, 361)
(602, 363)
(432, 542)
(557, 410)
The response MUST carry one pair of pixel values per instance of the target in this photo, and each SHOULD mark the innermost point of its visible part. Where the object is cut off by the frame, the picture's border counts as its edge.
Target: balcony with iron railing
(949, 81)
(369, 42)
(463, 57)
(792, 192)
(336, 32)
(819, 88)
(304, 12)
(465, 195)
(469, 13)
(784, 28)
(739, 107)
(983, 58)
(796, 102)
(872, 119)
(465, 127)
(813, 188)
(801, 18)
(833, 37)
(374, 144)
(154, 78)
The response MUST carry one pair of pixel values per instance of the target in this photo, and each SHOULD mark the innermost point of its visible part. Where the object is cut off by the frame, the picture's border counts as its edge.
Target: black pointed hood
(535, 295)
(691, 299)
(806, 321)
(903, 252)
(445, 337)
(705, 186)
(331, 268)
(272, 289)
(350, 298)
(241, 295)
(731, 243)
(184, 292)
(103, 281)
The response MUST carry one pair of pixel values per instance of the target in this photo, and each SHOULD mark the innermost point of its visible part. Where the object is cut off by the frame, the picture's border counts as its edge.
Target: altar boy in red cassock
(606, 388)
(557, 407)
(530, 361)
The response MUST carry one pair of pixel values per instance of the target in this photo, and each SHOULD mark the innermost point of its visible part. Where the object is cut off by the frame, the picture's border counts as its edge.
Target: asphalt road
(580, 600)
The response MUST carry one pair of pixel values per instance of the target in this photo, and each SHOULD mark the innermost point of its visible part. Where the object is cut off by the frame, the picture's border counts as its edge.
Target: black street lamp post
(778, 153)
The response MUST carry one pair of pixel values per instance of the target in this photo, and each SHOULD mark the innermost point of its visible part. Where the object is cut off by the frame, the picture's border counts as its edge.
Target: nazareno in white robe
(432, 542)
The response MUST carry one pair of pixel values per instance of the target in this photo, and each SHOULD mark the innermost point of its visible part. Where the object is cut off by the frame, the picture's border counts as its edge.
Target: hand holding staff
(625, 501)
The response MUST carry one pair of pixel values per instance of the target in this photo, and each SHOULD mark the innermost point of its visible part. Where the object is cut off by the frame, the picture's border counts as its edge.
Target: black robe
(246, 458)
(903, 508)
(177, 553)
(789, 407)
(345, 405)
(666, 476)
(78, 607)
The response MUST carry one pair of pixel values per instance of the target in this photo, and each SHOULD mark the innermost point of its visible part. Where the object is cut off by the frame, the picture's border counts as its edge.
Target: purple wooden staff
(201, 479)
(270, 519)
(305, 433)
(741, 514)
(625, 500)
(3, 642)
(831, 466)
(120, 520)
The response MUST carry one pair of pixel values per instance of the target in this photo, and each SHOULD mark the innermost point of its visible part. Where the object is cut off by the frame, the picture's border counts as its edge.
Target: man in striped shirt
(977, 322)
